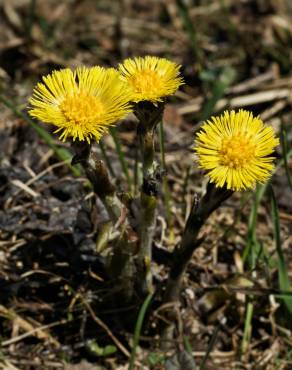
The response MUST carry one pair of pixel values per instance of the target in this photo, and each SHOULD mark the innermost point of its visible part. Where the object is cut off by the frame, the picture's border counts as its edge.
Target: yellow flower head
(235, 149)
(150, 78)
(82, 104)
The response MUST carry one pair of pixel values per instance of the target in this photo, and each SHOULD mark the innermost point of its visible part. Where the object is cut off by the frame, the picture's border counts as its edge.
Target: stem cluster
(132, 253)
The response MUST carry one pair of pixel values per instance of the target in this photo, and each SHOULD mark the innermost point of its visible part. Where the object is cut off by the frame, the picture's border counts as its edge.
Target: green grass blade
(247, 327)
(284, 142)
(284, 283)
(187, 345)
(161, 143)
(263, 188)
(184, 191)
(251, 253)
(136, 171)
(122, 158)
(138, 328)
(220, 85)
(189, 27)
(210, 347)
(30, 18)
(284, 294)
(62, 153)
(252, 246)
(252, 243)
(165, 187)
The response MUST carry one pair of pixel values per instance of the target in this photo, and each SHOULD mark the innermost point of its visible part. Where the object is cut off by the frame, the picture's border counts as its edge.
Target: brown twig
(100, 323)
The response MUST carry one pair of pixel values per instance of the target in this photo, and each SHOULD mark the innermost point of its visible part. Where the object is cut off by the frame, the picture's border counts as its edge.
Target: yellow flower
(235, 149)
(150, 78)
(82, 104)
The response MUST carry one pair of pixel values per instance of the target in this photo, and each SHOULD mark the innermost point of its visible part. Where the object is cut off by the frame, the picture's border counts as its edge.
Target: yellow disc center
(145, 81)
(236, 151)
(81, 108)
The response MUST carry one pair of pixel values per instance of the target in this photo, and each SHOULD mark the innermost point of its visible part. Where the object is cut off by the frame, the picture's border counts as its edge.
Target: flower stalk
(182, 255)
(97, 174)
(151, 80)
(122, 263)
(149, 115)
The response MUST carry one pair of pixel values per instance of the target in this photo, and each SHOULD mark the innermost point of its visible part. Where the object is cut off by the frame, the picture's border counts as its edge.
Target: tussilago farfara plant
(83, 104)
(151, 80)
(234, 149)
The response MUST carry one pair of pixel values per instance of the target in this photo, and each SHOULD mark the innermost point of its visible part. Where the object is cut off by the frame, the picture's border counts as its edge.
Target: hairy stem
(149, 116)
(97, 174)
(148, 210)
(182, 255)
(122, 262)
